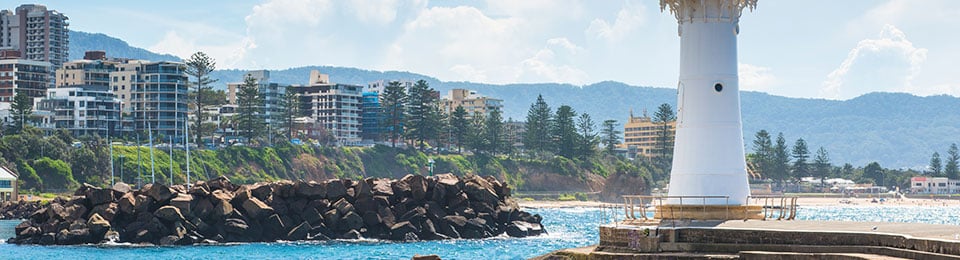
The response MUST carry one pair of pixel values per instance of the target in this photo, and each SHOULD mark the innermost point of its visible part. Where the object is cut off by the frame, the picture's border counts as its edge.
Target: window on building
(941, 184)
(5, 184)
(918, 184)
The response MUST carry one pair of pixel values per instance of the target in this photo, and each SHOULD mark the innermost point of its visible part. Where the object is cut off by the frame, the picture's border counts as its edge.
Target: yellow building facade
(640, 133)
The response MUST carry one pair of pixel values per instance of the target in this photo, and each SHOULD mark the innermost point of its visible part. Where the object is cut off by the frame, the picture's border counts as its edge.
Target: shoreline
(801, 201)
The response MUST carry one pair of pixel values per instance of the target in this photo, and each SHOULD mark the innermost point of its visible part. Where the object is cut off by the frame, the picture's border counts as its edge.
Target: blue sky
(813, 49)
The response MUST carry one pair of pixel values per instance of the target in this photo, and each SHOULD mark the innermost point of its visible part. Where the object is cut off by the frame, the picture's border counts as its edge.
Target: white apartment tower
(336, 107)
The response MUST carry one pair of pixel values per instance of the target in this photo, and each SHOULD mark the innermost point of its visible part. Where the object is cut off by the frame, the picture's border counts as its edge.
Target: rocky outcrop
(619, 184)
(18, 209)
(412, 208)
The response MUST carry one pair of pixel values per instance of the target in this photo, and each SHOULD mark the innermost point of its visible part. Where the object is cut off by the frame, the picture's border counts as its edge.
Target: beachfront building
(471, 101)
(640, 135)
(8, 185)
(272, 94)
(334, 106)
(934, 185)
(372, 117)
(20, 75)
(83, 109)
(159, 98)
(36, 33)
(92, 70)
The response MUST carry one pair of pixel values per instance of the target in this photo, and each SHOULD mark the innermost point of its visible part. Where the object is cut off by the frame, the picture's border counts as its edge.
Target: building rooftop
(7, 174)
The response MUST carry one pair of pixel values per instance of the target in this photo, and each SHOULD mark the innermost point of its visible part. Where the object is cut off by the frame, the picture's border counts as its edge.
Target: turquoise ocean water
(573, 227)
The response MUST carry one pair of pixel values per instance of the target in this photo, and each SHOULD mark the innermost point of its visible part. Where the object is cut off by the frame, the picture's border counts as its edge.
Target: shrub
(54, 173)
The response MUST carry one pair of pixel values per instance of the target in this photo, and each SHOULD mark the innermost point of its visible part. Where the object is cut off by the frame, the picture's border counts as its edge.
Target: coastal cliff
(215, 211)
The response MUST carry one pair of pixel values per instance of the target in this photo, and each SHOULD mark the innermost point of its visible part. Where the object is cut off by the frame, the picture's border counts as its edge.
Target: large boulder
(158, 192)
(183, 202)
(262, 191)
(404, 231)
(106, 210)
(479, 189)
(310, 190)
(74, 237)
(336, 189)
(97, 196)
(351, 220)
(299, 232)
(98, 226)
(417, 184)
(256, 209)
(127, 204)
(382, 187)
(169, 213)
(235, 226)
(343, 206)
(273, 227)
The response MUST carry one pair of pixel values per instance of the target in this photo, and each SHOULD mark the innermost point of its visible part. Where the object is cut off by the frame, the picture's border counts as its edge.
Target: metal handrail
(786, 205)
(630, 203)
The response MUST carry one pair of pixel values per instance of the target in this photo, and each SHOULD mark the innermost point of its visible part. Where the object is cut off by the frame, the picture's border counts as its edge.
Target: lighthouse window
(718, 87)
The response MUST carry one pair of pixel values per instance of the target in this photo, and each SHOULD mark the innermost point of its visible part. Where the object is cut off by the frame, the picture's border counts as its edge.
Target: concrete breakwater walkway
(412, 208)
(770, 239)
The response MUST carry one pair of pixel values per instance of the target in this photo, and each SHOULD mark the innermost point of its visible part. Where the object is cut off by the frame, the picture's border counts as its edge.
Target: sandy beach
(802, 201)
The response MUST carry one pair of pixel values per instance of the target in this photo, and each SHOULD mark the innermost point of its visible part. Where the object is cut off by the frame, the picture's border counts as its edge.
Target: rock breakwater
(18, 209)
(215, 211)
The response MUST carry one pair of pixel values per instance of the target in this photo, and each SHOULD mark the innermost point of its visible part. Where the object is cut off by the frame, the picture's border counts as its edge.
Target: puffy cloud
(891, 48)
(629, 18)
(755, 78)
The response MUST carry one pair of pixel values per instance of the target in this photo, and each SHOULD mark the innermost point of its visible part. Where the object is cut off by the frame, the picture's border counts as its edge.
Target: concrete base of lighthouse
(709, 212)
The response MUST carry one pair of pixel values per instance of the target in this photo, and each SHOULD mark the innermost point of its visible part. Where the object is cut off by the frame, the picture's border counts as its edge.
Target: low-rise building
(934, 185)
(640, 135)
(8, 184)
(336, 107)
(470, 100)
(83, 109)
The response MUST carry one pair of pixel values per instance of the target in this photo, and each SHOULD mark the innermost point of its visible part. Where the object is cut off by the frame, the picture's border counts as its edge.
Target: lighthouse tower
(708, 156)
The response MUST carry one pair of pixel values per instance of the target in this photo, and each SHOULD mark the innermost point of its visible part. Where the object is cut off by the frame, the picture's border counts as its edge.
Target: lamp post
(431, 166)
(121, 166)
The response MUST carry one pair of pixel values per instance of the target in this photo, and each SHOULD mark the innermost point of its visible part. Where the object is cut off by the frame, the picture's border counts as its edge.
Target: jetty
(765, 235)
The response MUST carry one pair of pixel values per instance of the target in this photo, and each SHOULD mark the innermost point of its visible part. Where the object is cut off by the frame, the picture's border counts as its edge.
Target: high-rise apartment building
(272, 94)
(336, 107)
(20, 75)
(372, 117)
(37, 33)
(159, 99)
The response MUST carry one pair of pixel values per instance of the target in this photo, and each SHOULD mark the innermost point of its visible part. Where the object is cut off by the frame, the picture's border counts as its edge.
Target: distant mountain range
(895, 129)
(81, 42)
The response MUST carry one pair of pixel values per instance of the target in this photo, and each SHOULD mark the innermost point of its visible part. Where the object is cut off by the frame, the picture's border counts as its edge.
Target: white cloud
(445, 40)
(891, 41)
(755, 78)
(566, 44)
(629, 18)
(227, 55)
(374, 11)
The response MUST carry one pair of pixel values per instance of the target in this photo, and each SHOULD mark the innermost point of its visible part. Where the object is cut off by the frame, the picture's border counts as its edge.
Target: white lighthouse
(708, 156)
